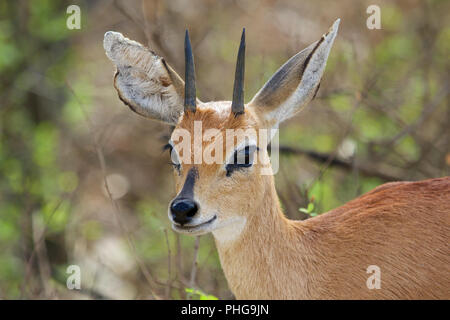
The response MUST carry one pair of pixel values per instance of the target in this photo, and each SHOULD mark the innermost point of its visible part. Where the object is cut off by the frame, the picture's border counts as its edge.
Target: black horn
(189, 86)
(237, 106)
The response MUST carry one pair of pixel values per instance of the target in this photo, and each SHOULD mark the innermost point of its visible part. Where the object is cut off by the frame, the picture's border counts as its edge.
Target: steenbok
(402, 228)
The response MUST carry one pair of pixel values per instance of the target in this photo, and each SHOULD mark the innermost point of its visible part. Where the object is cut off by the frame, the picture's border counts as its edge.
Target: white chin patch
(230, 230)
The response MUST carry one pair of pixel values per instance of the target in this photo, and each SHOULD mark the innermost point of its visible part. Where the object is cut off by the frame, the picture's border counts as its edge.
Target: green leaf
(201, 295)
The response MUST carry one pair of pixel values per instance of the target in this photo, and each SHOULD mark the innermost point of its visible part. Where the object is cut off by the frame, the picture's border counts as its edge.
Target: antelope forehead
(211, 121)
(208, 115)
(215, 116)
(221, 108)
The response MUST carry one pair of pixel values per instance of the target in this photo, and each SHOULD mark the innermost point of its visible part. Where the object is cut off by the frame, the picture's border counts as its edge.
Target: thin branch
(169, 265)
(194, 263)
(334, 161)
(36, 246)
(179, 264)
(101, 158)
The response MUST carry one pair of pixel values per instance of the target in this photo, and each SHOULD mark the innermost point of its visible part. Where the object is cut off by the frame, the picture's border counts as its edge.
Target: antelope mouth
(194, 229)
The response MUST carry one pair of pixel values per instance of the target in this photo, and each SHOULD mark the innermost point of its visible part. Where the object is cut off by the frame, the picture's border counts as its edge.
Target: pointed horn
(237, 106)
(189, 86)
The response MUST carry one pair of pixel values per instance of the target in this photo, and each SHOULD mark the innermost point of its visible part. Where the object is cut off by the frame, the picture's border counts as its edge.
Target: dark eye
(241, 159)
(175, 164)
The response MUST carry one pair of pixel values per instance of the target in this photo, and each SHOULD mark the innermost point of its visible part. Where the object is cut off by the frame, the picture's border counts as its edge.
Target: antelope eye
(173, 157)
(241, 159)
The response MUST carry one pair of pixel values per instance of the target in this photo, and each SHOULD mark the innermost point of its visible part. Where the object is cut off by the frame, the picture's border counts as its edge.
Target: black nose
(183, 210)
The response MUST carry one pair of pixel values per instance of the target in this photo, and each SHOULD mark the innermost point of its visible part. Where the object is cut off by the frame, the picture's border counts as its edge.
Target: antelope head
(219, 154)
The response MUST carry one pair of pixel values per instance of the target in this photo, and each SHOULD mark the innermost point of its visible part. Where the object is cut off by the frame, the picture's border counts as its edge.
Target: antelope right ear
(295, 83)
(144, 81)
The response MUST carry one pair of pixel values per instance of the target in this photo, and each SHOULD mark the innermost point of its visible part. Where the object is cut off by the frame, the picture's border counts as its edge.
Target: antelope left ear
(295, 83)
(144, 81)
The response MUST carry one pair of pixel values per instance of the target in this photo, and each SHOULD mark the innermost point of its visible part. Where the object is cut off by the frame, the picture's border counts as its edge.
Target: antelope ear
(144, 81)
(295, 83)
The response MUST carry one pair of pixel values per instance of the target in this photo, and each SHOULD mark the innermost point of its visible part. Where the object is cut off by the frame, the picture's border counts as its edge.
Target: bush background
(382, 114)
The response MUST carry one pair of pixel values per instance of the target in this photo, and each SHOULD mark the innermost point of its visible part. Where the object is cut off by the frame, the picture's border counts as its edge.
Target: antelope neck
(253, 261)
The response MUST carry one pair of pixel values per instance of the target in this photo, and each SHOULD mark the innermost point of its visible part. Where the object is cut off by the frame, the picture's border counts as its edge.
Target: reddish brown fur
(402, 227)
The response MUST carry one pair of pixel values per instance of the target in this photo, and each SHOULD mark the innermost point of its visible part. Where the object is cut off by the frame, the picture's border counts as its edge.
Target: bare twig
(426, 113)
(334, 161)
(101, 158)
(169, 265)
(194, 263)
(36, 245)
(179, 264)
(42, 257)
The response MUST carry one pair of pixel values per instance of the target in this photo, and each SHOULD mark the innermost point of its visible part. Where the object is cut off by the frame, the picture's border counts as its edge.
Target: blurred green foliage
(386, 93)
(34, 183)
(200, 294)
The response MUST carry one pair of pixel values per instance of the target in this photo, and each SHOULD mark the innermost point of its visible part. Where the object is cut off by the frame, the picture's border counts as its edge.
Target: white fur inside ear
(125, 52)
(310, 79)
(109, 39)
(143, 80)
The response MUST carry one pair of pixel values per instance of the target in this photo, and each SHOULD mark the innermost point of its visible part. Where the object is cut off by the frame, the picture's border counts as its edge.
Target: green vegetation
(381, 114)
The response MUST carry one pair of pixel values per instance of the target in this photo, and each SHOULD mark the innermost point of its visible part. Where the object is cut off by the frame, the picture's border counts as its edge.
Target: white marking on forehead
(223, 108)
